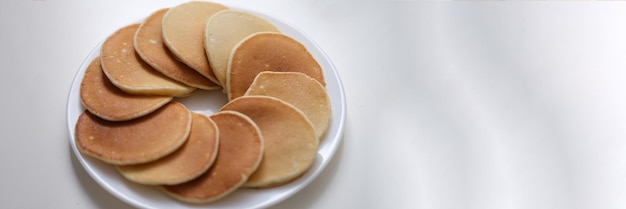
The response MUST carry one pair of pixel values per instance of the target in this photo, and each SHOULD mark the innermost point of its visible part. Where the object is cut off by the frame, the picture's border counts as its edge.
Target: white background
(481, 105)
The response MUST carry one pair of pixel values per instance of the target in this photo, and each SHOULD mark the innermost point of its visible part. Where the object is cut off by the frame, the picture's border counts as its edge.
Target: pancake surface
(188, 162)
(136, 145)
(127, 71)
(297, 89)
(223, 31)
(102, 98)
(150, 47)
(183, 33)
(240, 152)
(267, 52)
(135, 141)
(290, 142)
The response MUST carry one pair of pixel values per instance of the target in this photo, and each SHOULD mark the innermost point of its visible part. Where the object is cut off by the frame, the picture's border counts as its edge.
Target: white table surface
(481, 105)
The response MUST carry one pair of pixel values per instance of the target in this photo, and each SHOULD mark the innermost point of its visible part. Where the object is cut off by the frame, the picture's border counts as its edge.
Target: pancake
(140, 140)
(289, 137)
(223, 31)
(183, 33)
(240, 152)
(267, 52)
(100, 97)
(188, 162)
(130, 73)
(149, 45)
(297, 89)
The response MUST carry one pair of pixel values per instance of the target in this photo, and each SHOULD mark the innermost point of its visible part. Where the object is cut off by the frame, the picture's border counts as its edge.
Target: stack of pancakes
(267, 135)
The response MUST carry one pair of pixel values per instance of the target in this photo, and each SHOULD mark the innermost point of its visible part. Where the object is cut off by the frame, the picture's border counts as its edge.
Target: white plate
(209, 102)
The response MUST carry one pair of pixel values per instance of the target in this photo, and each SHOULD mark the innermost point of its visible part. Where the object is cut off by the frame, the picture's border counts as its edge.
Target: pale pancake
(150, 47)
(240, 152)
(224, 30)
(130, 73)
(188, 162)
(267, 52)
(183, 33)
(290, 142)
(297, 89)
(140, 140)
(102, 98)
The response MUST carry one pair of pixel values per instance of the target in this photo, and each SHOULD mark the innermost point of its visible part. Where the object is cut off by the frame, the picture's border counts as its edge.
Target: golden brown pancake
(224, 30)
(140, 140)
(240, 152)
(267, 52)
(297, 89)
(149, 45)
(188, 162)
(290, 142)
(183, 33)
(130, 73)
(102, 98)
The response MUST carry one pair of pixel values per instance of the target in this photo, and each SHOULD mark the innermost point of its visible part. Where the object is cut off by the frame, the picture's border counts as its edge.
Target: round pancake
(289, 137)
(183, 33)
(130, 73)
(240, 152)
(100, 97)
(223, 31)
(188, 162)
(297, 89)
(149, 45)
(140, 140)
(267, 52)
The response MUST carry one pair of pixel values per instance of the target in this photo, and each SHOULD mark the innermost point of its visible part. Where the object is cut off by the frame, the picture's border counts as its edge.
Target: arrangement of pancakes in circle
(266, 135)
